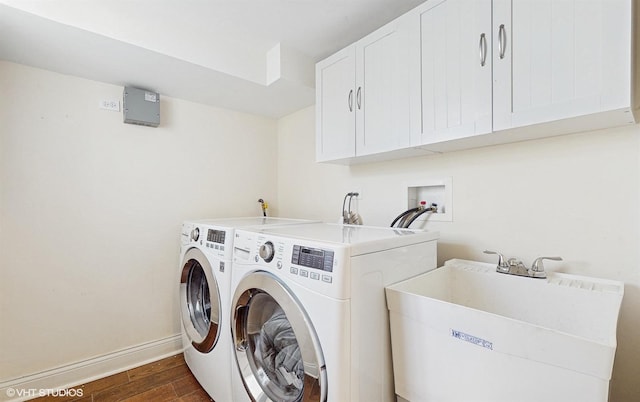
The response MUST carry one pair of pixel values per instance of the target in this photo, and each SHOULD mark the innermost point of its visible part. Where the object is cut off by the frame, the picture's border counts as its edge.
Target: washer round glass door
(199, 300)
(276, 347)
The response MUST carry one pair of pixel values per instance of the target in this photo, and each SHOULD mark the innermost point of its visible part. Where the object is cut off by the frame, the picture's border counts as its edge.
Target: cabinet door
(556, 59)
(455, 71)
(335, 106)
(382, 90)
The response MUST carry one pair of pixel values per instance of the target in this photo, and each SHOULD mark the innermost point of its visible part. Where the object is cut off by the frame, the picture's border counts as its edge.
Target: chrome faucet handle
(503, 266)
(537, 268)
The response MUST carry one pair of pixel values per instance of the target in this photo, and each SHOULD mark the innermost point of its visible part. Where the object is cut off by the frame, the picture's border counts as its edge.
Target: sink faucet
(537, 269)
(503, 266)
(514, 266)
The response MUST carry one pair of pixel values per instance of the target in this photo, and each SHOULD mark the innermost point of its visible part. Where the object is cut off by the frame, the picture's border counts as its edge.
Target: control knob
(195, 234)
(266, 251)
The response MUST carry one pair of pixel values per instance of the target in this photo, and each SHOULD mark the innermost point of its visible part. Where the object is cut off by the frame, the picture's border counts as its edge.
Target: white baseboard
(67, 376)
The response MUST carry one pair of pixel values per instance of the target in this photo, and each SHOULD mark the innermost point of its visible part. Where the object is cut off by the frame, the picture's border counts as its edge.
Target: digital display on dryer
(312, 258)
(216, 236)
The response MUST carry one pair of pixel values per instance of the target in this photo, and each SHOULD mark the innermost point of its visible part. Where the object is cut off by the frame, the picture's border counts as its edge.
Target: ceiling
(255, 56)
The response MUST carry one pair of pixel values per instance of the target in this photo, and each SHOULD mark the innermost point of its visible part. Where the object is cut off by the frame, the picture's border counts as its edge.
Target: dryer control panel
(216, 236)
(210, 238)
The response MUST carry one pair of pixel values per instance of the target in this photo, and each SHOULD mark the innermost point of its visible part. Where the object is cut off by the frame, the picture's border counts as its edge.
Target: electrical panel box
(141, 107)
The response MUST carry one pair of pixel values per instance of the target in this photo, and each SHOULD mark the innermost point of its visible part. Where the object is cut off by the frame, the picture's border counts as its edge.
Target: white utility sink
(464, 332)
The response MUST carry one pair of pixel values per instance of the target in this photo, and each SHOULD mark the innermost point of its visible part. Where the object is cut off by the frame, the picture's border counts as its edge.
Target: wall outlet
(109, 104)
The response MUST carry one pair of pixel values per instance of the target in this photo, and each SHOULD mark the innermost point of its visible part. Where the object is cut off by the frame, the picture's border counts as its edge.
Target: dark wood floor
(165, 380)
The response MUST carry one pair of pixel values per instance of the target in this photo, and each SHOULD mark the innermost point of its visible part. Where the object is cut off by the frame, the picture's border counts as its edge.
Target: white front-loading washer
(205, 295)
(310, 321)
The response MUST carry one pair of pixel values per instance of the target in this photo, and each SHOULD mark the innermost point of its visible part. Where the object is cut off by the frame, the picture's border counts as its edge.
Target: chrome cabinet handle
(359, 98)
(350, 101)
(483, 49)
(502, 41)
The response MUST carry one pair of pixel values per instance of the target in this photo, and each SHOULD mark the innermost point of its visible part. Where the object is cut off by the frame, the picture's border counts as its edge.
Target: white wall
(576, 196)
(91, 208)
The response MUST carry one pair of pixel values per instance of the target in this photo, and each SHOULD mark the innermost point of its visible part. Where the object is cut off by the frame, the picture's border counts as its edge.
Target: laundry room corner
(91, 210)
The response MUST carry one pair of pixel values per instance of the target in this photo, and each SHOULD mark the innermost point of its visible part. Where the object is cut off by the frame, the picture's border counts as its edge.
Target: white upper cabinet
(451, 70)
(335, 106)
(559, 59)
(456, 74)
(382, 90)
(362, 96)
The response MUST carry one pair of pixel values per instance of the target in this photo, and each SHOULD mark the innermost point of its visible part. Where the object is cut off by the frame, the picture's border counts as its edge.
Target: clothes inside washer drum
(278, 350)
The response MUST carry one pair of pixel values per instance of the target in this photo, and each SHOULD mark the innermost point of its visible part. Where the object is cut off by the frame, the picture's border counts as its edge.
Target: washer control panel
(319, 260)
(266, 251)
(308, 263)
(312, 258)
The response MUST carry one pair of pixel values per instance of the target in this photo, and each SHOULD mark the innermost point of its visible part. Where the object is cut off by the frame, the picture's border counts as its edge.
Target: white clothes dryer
(309, 320)
(205, 296)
